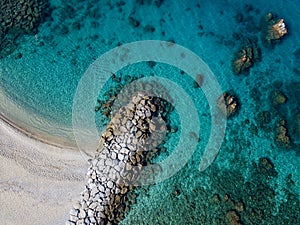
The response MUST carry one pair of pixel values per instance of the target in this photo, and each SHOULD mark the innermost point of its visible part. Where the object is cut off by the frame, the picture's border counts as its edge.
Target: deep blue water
(45, 78)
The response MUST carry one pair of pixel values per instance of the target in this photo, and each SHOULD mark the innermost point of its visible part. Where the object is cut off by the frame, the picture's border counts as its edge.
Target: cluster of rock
(228, 104)
(266, 167)
(18, 17)
(23, 15)
(114, 100)
(120, 162)
(233, 218)
(277, 98)
(245, 57)
(282, 138)
(273, 29)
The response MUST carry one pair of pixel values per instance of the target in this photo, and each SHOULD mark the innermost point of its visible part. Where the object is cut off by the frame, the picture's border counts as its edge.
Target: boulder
(247, 55)
(277, 98)
(282, 138)
(228, 104)
(273, 29)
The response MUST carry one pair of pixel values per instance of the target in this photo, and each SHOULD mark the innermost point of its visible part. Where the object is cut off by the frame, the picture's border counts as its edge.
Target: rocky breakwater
(120, 161)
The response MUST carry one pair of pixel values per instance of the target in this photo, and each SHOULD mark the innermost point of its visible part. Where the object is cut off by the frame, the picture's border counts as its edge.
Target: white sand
(37, 181)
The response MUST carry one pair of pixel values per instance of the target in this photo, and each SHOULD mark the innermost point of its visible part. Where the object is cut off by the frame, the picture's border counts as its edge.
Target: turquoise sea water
(45, 78)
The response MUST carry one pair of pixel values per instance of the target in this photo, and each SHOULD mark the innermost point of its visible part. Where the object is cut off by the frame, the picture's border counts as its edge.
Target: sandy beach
(38, 181)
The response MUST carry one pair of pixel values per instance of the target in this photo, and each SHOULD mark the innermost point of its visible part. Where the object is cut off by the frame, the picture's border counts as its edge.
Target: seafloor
(255, 178)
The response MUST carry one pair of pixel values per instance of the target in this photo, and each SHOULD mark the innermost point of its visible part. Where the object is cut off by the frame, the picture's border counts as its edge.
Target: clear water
(44, 81)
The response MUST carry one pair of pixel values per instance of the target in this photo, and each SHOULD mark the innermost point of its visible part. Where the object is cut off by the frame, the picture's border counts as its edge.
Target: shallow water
(44, 81)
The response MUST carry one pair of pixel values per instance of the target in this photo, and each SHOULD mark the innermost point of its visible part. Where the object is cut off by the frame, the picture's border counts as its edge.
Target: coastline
(35, 176)
(32, 126)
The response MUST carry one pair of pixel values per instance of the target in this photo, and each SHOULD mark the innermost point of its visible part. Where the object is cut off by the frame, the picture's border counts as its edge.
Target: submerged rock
(245, 57)
(272, 29)
(233, 218)
(282, 138)
(266, 167)
(199, 80)
(277, 98)
(22, 16)
(228, 104)
(263, 118)
(18, 17)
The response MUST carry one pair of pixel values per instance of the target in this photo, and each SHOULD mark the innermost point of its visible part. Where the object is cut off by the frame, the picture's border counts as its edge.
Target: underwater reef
(18, 17)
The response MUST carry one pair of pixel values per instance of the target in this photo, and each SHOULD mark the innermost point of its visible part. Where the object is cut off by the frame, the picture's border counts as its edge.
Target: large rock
(273, 29)
(277, 98)
(282, 138)
(228, 104)
(245, 57)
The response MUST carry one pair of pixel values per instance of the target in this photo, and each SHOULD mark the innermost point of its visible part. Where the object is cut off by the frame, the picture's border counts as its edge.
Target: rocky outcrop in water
(282, 138)
(228, 104)
(273, 29)
(245, 57)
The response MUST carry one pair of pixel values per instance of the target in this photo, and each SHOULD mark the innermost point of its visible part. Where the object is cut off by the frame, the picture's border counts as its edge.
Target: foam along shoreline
(33, 126)
(38, 178)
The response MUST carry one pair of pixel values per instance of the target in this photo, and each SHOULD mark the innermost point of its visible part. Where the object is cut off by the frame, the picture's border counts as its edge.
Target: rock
(245, 57)
(149, 28)
(228, 104)
(18, 18)
(82, 214)
(199, 81)
(263, 118)
(133, 22)
(76, 205)
(232, 218)
(215, 199)
(282, 138)
(239, 206)
(272, 29)
(73, 211)
(266, 167)
(253, 129)
(110, 184)
(277, 98)
(18, 56)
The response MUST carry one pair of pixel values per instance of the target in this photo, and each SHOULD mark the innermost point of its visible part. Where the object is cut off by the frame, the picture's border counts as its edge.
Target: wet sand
(34, 126)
